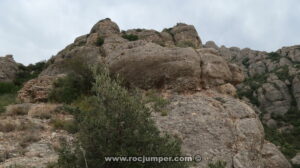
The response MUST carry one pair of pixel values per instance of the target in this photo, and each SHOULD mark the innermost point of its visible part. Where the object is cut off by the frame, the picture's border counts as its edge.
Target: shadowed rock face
(8, 68)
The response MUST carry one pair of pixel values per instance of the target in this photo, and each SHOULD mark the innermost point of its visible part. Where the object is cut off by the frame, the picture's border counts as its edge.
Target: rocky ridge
(272, 86)
(196, 79)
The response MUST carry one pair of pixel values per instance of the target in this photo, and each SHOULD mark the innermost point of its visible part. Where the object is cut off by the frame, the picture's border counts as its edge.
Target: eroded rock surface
(8, 68)
(215, 126)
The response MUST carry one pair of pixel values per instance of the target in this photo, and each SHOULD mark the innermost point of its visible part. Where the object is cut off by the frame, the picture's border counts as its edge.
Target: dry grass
(42, 111)
(29, 139)
(18, 109)
(7, 127)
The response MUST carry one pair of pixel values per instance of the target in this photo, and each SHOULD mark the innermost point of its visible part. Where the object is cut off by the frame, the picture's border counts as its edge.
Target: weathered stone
(296, 159)
(152, 66)
(8, 68)
(215, 126)
(274, 97)
(36, 90)
(211, 44)
(105, 28)
(273, 158)
(186, 35)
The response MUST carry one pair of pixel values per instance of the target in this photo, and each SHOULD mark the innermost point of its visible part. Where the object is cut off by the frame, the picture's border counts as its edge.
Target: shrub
(115, 123)
(29, 72)
(159, 103)
(8, 87)
(185, 44)
(66, 89)
(17, 109)
(100, 41)
(218, 164)
(130, 37)
(274, 56)
(67, 125)
(5, 100)
(29, 139)
(78, 82)
(245, 62)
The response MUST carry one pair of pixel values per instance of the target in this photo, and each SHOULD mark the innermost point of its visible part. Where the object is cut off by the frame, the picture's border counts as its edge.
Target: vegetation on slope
(112, 121)
(8, 90)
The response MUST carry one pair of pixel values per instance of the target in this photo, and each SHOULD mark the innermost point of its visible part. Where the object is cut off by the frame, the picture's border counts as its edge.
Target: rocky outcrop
(31, 140)
(296, 159)
(274, 96)
(105, 28)
(273, 158)
(37, 90)
(8, 68)
(199, 81)
(152, 66)
(215, 126)
(154, 60)
(185, 35)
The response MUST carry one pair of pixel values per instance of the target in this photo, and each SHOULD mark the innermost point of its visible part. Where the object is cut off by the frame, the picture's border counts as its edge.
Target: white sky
(34, 30)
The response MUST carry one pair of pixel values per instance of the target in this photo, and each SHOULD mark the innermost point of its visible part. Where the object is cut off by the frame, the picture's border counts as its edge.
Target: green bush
(245, 62)
(100, 41)
(130, 37)
(8, 87)
(116, 123)
(156, 99)
(67, 89)
(185, 44)
(68, 125)
(29, 72)
(78, 82)
(8, 93)
(274, 56)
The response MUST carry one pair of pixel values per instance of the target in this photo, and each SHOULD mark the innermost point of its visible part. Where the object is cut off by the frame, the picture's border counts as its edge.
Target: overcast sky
(34, 30)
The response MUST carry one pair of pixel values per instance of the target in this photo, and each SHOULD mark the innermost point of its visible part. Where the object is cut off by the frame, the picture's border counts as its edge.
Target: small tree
(115, 123)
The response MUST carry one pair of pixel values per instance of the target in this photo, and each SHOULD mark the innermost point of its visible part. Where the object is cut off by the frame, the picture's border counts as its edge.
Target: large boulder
(274, 96)
(292, 52)
(148, 65)
(273, 158)
(216, 127)
(296, 160)
(105, 28)
(8, 68)
(186, 35)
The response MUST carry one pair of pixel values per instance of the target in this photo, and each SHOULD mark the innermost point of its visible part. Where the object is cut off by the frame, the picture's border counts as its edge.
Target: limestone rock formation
(215, 126)
(296, 159)
(37, 90)
(199, 81)
(273, 158)
(184, 34)
(8, 68)
(152, 61)
(28, 140)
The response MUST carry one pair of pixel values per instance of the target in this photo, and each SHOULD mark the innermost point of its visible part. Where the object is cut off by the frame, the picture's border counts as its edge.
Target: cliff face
(272, 86)
(198, 80)
(8, 68)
